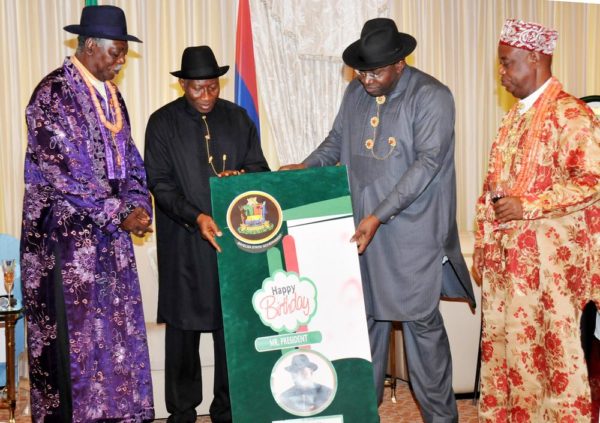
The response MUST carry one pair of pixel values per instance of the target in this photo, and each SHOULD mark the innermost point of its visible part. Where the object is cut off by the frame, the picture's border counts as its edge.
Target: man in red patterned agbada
(537, 247)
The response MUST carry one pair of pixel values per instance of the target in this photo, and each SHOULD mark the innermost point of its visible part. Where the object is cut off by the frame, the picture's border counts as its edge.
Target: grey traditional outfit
(405, 177)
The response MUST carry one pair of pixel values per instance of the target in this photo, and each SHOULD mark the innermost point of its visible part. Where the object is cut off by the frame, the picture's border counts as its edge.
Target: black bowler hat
(380, 44)
(199, 63)
(106, 22)
(300, 362)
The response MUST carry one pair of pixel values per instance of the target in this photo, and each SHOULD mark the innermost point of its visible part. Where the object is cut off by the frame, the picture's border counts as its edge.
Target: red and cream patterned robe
(540, 271)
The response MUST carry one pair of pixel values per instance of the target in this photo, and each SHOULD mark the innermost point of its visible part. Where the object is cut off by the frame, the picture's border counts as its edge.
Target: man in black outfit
(189, 140)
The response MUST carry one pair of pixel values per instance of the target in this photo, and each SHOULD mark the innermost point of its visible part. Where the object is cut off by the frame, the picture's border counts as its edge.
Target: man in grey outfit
(395, 133)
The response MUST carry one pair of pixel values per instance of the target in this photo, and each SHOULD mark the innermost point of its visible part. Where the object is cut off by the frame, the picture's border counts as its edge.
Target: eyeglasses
(374, 74)
(377, 73)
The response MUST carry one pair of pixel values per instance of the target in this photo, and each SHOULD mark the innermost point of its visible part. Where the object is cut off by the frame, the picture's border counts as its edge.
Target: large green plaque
(291, 293)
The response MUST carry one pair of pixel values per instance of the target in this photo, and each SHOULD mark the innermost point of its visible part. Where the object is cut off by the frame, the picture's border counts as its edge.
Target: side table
(10, 316)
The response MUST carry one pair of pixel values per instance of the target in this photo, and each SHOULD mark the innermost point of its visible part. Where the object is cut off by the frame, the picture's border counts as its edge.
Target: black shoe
(188, 416)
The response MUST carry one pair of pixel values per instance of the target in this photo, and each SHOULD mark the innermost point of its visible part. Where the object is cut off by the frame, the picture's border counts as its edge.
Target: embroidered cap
(528, 36)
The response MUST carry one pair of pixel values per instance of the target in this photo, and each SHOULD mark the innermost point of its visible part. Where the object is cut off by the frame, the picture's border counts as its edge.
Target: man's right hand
(294, 166)
(209, 230)
(137, 222)
(365, 232)
(477, 268)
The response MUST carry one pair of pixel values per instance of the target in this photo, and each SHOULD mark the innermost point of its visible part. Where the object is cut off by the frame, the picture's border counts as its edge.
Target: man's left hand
(226, 173)
(508, 208)
(295, 166)
(365, 232)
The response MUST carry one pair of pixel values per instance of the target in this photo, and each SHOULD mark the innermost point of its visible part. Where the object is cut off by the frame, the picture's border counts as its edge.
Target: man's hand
(230, 173)
(477, 268)
(137, 223)
(365, 232)
(508, 208)
(209, 229)
(294, 166)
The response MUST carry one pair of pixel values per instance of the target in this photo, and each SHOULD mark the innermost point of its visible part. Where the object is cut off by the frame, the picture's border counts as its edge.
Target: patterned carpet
(405, 409)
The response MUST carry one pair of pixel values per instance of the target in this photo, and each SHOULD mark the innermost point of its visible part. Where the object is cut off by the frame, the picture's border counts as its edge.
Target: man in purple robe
(85, 192)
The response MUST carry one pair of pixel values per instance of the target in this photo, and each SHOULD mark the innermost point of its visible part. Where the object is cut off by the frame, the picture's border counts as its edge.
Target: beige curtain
(457, 44)
(300, 69)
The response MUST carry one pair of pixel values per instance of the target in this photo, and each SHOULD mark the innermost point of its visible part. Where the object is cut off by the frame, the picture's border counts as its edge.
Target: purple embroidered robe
(76, 195)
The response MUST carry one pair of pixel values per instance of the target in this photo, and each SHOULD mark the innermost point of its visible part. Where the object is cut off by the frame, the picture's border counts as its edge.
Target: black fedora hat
(300, 362)
(380, 44)
(106, 22)
(199, 63)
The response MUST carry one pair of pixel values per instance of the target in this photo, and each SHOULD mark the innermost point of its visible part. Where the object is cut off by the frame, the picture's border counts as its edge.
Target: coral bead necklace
(531, 144)
(115, 127)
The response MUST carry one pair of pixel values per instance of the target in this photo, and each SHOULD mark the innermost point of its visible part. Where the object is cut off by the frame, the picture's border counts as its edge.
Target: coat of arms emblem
(254, 219)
